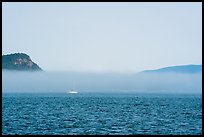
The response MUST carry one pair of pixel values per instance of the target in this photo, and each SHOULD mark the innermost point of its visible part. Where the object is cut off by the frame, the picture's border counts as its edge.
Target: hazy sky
(101, 37)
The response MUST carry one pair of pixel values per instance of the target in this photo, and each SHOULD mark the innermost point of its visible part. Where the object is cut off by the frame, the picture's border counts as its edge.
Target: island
(19, 62)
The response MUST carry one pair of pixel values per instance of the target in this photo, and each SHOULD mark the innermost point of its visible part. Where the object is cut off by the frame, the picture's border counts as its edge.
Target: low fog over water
(32, 82)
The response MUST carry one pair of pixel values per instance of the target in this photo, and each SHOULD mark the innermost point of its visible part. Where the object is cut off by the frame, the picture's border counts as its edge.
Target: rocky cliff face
(19, 61)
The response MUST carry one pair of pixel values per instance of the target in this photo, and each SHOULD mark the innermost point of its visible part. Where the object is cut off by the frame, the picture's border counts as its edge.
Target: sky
(104, 37)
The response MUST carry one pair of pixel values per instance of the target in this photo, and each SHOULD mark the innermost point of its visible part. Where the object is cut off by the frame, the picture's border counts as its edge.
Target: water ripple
(95, 114)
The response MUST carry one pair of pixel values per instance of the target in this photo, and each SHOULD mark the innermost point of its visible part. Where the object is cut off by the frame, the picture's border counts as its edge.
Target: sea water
(101, 114)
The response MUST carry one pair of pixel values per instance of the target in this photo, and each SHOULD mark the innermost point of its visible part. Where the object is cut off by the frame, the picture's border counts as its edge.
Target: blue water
(92, 113)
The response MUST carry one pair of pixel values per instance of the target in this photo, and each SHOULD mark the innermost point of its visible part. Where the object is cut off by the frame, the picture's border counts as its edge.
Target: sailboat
(72, 91)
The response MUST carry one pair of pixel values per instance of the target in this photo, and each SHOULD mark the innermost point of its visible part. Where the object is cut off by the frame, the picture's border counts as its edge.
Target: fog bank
(37, 82)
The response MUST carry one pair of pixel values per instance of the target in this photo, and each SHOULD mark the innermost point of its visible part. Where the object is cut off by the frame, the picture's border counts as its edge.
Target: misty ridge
(21, 74)
(60, 82)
